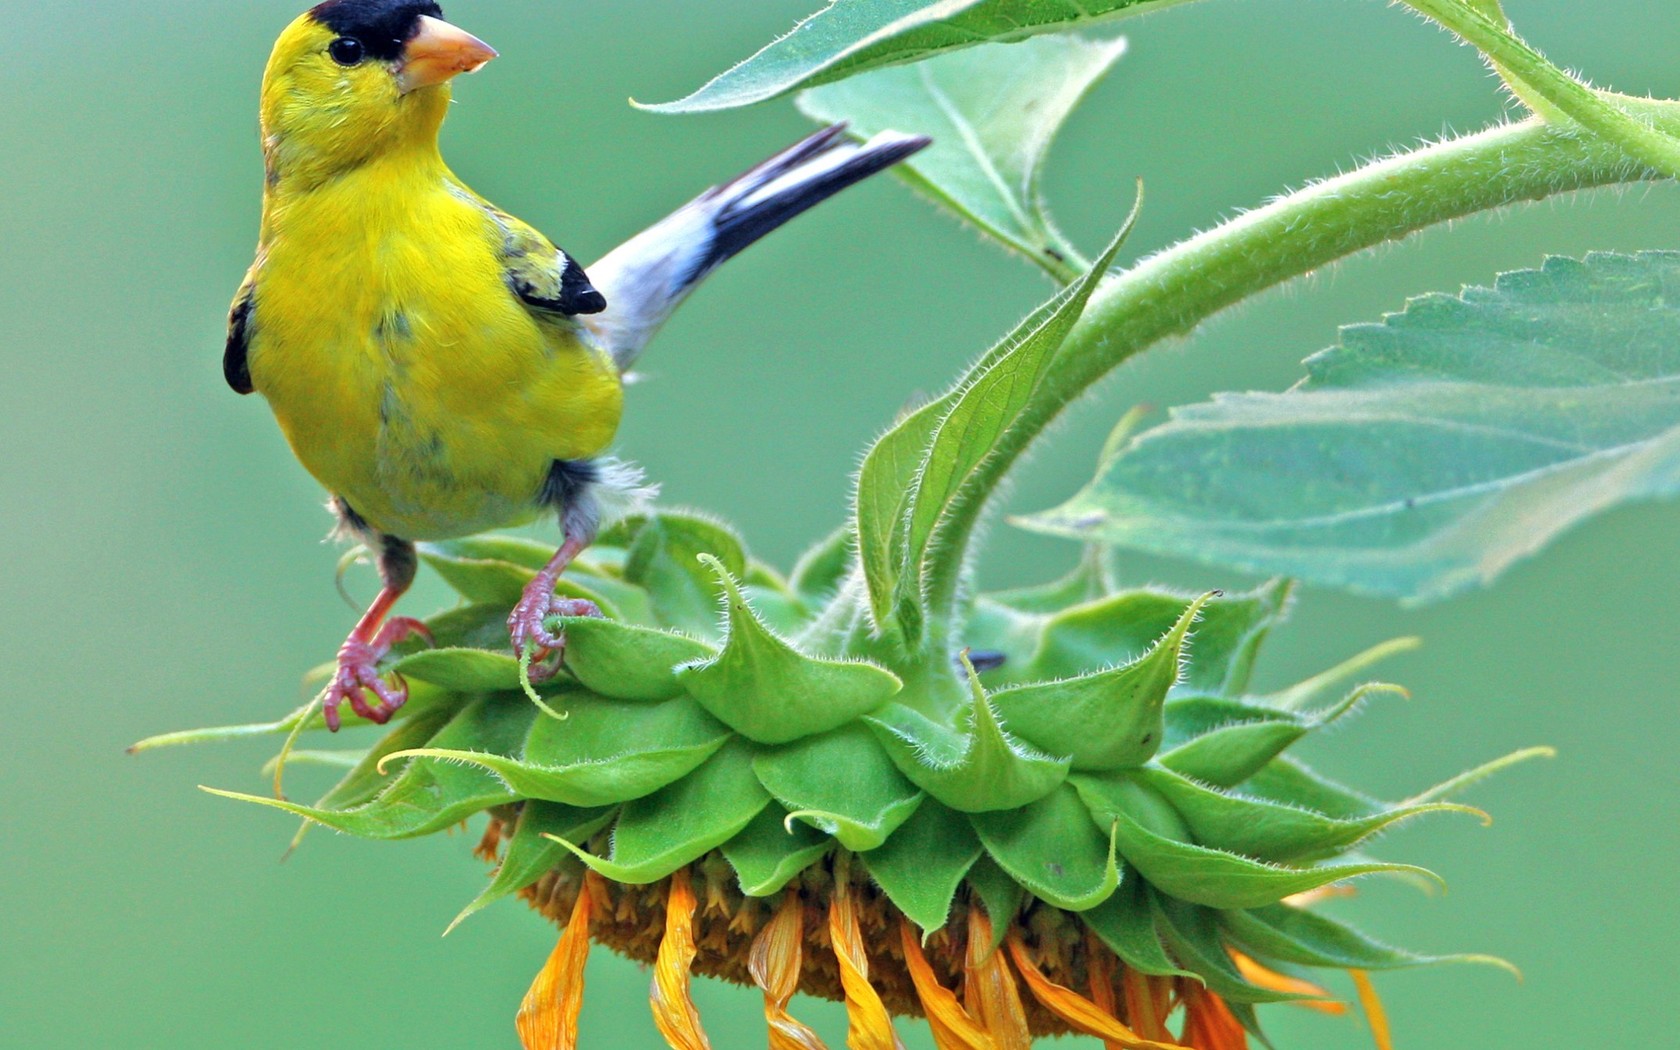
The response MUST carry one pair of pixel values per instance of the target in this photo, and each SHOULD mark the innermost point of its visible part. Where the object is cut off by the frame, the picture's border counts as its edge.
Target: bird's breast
(404, 374)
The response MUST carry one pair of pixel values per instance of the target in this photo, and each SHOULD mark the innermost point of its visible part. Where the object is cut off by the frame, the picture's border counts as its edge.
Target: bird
(439, 366)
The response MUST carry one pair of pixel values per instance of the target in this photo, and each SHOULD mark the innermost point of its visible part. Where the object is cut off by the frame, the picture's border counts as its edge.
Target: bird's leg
(538, 602)
(358, 658)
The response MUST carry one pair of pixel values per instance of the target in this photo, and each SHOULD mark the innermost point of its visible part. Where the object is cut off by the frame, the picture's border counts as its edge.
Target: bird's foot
(529, 631)
(358, 674)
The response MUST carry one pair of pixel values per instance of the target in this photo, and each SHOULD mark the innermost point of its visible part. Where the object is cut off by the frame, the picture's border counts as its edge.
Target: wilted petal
(1374, 1011)
(989, 988)
(548, 1017)
(673, 1010)
(1255, 973)
(1078, 1012)
(1100, 976)
(774, 962)
(953, 1028)
(1208, 1022)
(870, 1024)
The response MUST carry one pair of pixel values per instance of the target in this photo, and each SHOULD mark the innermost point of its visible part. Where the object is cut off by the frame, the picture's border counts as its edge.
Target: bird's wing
(236, 365)
(648, 276)
(545, 278)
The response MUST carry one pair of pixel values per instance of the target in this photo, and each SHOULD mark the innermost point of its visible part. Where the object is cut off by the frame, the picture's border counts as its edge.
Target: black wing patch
(574, 296)
(236, 366)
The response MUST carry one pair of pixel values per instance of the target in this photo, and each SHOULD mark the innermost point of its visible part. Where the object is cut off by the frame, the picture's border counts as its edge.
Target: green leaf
(664, 552)
(842, 783)
(992, 113)
(628, 662)
(1107, 720)
(1427, 453)
(604, 752)
(531, 853)
(1272, 831)
(465, 670)
(1126, 923)
(681, 823)
(1296, 935)
(852, 36)
(772, 851)
(976, 771)
(429, 796)
(1209, 876)
(1052, 848)
(770, 692)
(921, 865)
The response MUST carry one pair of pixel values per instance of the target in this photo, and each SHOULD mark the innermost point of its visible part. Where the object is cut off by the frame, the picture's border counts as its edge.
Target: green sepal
(975, 772)
(628, 662)
(1106, 720)
(493, 581)
(531, 853)
(770, 692)
(922, 864)
(428, 796)
(1241, 738)
(470, 626)
(1051, 848)
(463, 670)
(1207, 876)
(818, 573)
(999, 894)
(1089, 581)
(604, 752)
(1191, 934)
(1126, 923)
(494, 546)
(772, 851)
(1290, 781)
(1272, 831)
(841, 783)
(365, 781)
(663, 558)
(779, 610)
(682, 822)
(1296, 935)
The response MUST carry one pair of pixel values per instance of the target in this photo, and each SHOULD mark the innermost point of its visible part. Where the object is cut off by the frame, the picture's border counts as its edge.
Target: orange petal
(548, 1017)
(1311, 897)
(1374, 1011)
(673, 1010)
(1100, 976)
(953, 1027)
(774, 962)
(1080, 1013)
(870, 1024)
(1208, 1022)
(989, 989)
(1267, 978)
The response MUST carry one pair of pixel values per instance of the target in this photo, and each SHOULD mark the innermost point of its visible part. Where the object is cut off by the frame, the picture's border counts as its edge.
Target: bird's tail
(648, 276)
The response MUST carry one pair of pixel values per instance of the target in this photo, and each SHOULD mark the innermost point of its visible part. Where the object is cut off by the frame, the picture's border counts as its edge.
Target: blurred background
(161, 563)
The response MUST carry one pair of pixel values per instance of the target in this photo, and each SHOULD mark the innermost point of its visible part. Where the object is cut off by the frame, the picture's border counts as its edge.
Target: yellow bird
(438, 365)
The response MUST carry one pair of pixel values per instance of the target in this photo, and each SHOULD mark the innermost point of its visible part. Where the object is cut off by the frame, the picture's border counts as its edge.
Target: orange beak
(440, 52)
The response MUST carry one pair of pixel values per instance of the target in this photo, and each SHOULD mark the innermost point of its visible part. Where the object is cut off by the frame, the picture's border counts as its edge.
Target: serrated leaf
(975, 771)
(772, 851)
(1106, 720)
(604, 752)
(1271, 831)
(772, 693)
(852, 36)
(1305, 938)
(1427, 453)
(663, 558)
(1052, 848)
(1212, 877)
(921, 865)
(464, 670)
(683, 822)
(430, 796)
(531, 854)
(1126, 923)
(628, 662)
(842, 783)
(992, 113)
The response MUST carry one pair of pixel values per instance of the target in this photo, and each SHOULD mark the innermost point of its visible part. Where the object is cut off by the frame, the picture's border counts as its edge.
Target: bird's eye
(346, 50)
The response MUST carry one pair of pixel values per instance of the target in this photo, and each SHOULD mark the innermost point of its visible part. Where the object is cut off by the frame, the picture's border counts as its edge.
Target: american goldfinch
(438, 365)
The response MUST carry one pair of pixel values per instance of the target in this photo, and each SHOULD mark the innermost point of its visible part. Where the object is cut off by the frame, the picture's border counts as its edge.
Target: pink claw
(358, 674)
(527, 629)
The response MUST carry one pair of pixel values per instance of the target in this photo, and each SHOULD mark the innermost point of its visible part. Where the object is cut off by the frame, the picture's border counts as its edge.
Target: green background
(161, 564)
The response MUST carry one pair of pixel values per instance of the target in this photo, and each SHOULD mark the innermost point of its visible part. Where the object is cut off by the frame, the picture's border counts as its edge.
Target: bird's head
(352, 80)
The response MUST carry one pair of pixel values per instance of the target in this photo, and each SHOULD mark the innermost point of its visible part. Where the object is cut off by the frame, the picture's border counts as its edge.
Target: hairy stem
(1172, 292)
